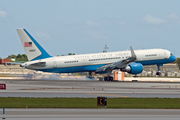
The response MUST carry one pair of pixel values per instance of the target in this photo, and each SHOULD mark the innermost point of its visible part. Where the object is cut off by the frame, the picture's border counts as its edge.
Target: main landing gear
(90, 76)
(159, 70)
(135, 76)
(108, 77)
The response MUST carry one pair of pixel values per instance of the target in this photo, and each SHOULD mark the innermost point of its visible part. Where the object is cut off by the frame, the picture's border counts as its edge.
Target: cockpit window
(171, 54)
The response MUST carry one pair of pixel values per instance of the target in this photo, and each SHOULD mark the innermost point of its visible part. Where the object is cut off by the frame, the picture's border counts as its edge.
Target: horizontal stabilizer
(39, 64)
(12, 63)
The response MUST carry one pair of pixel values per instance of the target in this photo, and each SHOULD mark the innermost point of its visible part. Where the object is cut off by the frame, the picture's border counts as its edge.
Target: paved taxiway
(62, 88)
(88, 114)
(85, 89)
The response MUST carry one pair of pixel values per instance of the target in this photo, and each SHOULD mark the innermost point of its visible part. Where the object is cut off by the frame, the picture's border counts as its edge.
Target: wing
(119, 64)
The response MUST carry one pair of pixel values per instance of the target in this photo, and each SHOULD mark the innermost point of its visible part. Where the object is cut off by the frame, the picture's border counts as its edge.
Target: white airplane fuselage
(90, 62)
(127, 61)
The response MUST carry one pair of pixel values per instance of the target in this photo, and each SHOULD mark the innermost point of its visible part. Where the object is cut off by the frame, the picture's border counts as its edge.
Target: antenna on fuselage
(105, 49)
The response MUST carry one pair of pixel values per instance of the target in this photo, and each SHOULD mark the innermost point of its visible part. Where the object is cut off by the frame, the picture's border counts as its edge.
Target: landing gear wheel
(158, 73)
(159, 70)
(108, 78)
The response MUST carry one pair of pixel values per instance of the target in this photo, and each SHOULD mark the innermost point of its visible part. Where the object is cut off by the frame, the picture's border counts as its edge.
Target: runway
(88, 114)
(88, 89)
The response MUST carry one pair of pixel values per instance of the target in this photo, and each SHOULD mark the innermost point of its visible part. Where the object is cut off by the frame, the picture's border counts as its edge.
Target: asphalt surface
(89, 114)
(88, 89)
(92, 89)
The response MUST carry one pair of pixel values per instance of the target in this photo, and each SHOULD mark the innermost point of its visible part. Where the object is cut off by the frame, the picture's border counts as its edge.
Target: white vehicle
(127, 61)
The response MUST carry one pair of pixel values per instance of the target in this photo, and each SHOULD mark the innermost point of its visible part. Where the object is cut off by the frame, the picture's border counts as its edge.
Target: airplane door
(84, 61)
(165, 55)
(55, 64)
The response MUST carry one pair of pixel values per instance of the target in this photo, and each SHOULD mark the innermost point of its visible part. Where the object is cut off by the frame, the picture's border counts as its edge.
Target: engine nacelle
(134, 68)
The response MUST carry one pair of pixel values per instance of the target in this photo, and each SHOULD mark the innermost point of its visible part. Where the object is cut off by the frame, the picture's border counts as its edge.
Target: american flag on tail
(27, 44)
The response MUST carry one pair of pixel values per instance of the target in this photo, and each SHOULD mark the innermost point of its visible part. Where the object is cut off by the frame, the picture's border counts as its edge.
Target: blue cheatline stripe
(94, 67)
(44, 54)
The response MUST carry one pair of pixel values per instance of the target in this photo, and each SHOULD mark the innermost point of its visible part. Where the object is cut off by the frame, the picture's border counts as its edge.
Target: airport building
(168, 70)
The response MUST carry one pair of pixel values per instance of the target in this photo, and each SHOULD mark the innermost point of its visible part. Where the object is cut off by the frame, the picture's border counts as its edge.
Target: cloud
(90, 23)
(3, 13)
(156, 30)
(43, 35)
(122, 23)
(173, 16)
(153, 20)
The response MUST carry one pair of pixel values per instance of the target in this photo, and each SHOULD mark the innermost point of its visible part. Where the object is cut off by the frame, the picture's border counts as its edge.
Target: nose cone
(172, 58)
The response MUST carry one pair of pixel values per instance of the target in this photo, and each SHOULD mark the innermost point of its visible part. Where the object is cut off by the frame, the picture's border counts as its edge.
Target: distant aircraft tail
(33, 50)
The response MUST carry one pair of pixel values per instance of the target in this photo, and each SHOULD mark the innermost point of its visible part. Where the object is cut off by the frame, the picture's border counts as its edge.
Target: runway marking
(107, 95)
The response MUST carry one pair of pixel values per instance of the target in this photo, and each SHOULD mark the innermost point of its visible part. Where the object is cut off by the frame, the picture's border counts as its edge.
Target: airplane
(127, 61)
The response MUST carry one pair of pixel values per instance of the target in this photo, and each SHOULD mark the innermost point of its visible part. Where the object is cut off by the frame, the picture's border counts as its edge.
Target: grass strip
(122, 103)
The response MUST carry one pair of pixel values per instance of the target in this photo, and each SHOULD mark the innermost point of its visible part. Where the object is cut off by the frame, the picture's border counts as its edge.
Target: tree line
(19, 57)
(23, 57)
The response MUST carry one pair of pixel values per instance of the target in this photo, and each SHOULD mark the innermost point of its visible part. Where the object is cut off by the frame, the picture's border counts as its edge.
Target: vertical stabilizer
(32, 48)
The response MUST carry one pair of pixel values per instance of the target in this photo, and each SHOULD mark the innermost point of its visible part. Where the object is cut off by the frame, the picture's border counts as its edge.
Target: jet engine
(134, 68)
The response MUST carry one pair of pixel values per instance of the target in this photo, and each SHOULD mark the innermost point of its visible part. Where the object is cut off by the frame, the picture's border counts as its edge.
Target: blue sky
(86, 26)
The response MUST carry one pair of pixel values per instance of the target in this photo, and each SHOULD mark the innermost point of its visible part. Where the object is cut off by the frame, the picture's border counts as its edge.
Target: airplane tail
(33, 49)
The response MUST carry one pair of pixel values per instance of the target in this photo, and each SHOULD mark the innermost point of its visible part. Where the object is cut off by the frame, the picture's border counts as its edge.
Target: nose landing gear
(159, 70)
(90, 76)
